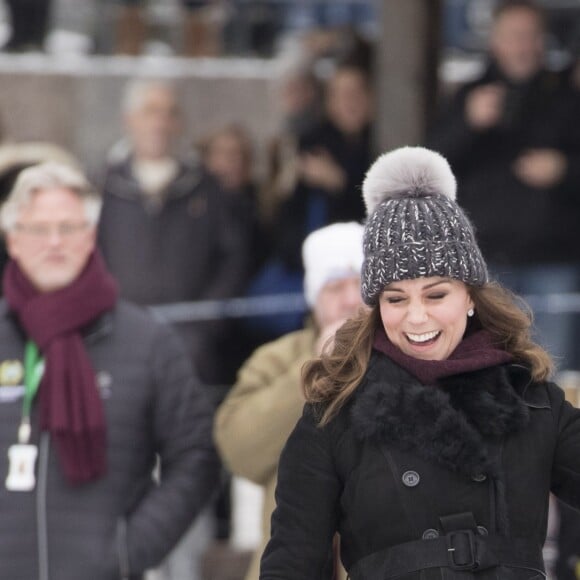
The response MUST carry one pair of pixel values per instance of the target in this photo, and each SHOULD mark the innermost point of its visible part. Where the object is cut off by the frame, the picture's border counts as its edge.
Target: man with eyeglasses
(92, 390)
(166, 231)
(168, 235)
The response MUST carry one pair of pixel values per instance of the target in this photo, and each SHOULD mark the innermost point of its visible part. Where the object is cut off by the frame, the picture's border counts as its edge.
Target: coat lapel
(452, 424)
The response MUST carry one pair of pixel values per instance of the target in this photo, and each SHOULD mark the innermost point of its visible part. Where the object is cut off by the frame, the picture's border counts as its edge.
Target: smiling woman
(432, 436)
(426, 317)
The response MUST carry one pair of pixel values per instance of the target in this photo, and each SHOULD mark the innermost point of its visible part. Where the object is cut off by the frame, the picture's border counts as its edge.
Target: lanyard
(33, 371)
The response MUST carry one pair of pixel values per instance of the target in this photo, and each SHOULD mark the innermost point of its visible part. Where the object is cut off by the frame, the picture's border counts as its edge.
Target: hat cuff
(457, 260)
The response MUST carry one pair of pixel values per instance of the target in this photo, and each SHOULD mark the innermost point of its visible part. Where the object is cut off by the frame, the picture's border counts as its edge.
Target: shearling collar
(452, 424)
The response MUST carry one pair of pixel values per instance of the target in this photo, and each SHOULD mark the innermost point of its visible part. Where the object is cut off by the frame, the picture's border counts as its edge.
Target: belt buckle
(461, 550)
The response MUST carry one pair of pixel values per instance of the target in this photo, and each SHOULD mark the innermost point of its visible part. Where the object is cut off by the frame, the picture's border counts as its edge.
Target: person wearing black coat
(332, 159)
(432, 435)
(512, 137)
(94, 393)
(331, 162)
(166, 230)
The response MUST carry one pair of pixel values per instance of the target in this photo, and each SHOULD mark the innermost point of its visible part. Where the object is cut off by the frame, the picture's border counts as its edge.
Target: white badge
(21, 459)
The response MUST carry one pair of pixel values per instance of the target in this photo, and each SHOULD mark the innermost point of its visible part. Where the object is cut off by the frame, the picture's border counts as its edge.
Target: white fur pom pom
(414, 171)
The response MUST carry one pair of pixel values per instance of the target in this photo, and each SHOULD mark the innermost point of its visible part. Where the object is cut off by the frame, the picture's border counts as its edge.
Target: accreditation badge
(21, 461)
(11, 376)
(11, 372)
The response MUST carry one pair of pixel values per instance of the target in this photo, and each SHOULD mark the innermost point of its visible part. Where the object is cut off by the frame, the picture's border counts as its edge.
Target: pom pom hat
(414, 226)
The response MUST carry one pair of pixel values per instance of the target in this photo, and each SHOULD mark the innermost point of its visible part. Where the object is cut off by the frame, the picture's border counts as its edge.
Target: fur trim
(489, 402)
(412, 171)
(453, 425)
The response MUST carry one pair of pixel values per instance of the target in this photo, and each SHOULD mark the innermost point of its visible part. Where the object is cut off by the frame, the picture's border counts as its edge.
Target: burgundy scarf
(475, 352)
(70, 406)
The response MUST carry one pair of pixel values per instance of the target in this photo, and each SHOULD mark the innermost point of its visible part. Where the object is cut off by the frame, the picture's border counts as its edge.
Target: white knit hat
(331, 253)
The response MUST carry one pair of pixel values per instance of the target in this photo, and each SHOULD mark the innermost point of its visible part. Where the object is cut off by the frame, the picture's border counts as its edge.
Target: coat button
(479, 477)
(482, 531)
(430, 534)
(411, 478)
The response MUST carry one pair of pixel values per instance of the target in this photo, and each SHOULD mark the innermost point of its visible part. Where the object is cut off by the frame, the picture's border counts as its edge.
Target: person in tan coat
(254, 421)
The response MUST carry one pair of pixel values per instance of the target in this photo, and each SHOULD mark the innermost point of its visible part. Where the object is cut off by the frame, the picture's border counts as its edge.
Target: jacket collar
(121, 182)
(452, 424)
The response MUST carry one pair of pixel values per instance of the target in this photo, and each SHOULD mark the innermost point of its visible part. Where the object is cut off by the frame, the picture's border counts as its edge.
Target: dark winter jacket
(516, 224)
(184, 246)
(427, 482)
(298, 216)
(123, 523)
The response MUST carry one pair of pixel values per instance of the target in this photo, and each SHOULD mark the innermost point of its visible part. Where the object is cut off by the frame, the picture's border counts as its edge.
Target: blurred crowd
(187, 222)
(189, 28)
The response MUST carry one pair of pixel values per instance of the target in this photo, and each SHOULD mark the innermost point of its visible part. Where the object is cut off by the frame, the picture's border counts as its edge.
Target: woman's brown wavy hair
(333, 378)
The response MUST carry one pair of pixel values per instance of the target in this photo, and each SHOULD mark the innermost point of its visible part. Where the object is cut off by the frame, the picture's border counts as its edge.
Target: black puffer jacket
(464, 466)
(119, 525)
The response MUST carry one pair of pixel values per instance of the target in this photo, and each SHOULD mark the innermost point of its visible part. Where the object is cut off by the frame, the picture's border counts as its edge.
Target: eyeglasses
(44, 230)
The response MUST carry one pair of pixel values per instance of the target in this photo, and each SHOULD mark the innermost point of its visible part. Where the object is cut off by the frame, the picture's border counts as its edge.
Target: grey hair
(49, 175)
(135, 91)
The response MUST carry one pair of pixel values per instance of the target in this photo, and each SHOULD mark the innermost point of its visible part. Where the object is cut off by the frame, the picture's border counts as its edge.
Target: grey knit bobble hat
(414, 226)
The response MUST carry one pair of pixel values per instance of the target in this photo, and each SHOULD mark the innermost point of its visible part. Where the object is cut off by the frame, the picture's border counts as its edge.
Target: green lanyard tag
(33, 371)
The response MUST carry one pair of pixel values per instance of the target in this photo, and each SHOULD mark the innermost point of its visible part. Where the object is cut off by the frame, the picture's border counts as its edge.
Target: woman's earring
(470, 312)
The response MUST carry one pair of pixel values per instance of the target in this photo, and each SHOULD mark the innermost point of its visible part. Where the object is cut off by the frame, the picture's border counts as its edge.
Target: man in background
(512, 138)
(165, 230)
(92, 392)
(167, 235)
(260, 411)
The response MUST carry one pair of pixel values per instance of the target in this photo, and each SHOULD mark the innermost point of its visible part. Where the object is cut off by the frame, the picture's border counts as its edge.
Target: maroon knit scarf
(70, 406)
(475, 352)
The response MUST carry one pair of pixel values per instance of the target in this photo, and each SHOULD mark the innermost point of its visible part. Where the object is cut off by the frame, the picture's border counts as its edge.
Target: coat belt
(456, 550)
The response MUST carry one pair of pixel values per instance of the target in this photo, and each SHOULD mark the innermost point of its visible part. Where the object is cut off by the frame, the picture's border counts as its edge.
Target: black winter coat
(426, 482)
(516, 224)
(122, 523)
(186, 246)
(189, 247)
(294, 221)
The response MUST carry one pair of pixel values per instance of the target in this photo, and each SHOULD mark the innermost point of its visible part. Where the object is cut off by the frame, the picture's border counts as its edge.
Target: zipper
(41, 524)
(123, 552)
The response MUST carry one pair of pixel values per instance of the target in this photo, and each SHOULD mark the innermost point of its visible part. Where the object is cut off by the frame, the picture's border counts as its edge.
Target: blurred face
(425, 317)
(52, 240)
(154, 124)
(338, 300)
(226, 160)
(349, 101)
(297, 95)
(517, 43)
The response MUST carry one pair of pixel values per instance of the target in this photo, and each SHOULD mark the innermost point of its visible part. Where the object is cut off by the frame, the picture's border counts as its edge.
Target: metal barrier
(554, 303)
(204, 310)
